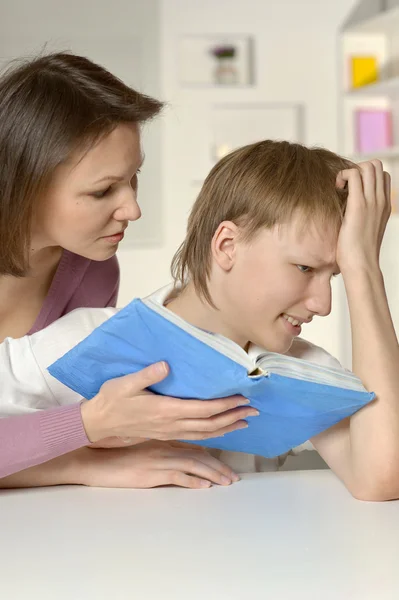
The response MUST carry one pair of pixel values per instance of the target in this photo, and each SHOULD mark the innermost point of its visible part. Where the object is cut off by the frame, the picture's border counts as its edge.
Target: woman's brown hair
(49, 107)
(257, 186)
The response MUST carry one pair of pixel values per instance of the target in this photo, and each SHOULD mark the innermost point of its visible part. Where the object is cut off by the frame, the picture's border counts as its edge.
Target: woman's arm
(145, 465)
(31, 439)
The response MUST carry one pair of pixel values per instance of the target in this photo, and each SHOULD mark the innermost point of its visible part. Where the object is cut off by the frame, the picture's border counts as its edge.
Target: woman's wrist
(93, 421)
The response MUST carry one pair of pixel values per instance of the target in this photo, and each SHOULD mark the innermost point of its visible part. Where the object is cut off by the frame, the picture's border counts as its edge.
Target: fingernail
(235, 477)
(204, 483)
(225, 480)
(243, 402)
(254, 413)
(243, 425)
(161, 368)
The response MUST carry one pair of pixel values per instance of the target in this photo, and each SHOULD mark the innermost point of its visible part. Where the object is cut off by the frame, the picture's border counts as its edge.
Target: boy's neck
(188, 305)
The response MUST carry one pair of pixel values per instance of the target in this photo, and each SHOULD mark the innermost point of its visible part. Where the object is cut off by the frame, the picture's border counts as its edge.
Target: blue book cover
(296, 399)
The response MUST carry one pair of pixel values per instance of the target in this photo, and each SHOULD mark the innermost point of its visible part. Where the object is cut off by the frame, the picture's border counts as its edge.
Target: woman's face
(92, 197)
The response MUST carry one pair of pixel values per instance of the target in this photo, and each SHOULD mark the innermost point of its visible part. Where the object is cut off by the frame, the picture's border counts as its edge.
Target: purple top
(32, 439)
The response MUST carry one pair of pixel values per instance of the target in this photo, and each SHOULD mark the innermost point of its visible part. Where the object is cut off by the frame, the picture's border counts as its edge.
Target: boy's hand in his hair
(367, 213)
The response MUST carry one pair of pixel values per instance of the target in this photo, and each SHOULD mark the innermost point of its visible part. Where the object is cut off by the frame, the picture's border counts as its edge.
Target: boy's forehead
(317, 240)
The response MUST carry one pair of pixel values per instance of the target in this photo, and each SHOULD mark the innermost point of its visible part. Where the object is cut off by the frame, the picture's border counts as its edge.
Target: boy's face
(279, 278)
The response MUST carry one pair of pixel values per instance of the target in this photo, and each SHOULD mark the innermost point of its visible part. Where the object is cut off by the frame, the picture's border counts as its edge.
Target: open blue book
(296, 399)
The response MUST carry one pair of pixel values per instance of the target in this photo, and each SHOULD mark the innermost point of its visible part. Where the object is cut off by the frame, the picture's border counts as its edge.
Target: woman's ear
(224, 245)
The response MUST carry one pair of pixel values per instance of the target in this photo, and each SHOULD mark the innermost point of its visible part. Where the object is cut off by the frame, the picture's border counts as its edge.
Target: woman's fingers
(203, 409)
(218, 422)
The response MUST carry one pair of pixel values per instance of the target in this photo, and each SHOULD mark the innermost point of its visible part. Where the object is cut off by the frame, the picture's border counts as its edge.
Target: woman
(70, 154)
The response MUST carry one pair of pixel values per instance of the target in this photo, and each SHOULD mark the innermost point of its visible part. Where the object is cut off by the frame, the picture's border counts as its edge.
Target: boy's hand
(150, 464)
(367, 213)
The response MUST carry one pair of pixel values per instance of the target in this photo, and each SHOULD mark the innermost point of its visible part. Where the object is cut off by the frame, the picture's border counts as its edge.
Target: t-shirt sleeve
(23, 388)
(26, 385)
(53, 342)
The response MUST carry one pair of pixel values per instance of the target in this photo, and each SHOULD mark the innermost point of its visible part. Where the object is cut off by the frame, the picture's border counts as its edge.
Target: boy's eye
(100, 194)
(304, 268)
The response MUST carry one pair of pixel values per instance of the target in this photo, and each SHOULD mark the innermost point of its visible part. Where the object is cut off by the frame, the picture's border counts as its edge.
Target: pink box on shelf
(373, 129)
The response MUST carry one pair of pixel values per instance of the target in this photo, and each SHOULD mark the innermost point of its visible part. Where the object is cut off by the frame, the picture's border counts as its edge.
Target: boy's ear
(224, 244)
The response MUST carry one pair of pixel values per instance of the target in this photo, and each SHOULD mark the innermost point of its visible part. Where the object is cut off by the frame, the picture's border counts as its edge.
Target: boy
(272, 224)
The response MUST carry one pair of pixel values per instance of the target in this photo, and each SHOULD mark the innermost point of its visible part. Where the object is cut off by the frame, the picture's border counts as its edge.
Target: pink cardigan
(32, 439)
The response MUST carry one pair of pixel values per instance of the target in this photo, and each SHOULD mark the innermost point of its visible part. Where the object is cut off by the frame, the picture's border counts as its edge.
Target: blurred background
(232, 71)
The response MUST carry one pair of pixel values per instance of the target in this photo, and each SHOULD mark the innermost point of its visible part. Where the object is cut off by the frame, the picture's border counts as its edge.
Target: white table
(278, 536)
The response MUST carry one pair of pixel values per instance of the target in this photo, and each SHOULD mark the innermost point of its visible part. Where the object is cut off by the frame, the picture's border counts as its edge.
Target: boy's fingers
(353, 178)
(204, 456)
(387, 188)
(368, 174)
(379, 184)
(183, 480)
(216, 464)
(190, 464)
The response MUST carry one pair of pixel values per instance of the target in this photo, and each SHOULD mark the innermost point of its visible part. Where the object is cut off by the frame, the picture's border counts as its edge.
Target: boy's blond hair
(259, 185)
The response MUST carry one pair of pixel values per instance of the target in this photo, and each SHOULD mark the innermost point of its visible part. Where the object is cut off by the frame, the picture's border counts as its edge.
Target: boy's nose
(319, 302)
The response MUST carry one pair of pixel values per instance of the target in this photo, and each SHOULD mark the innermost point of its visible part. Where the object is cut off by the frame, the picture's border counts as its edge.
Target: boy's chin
(279, 346)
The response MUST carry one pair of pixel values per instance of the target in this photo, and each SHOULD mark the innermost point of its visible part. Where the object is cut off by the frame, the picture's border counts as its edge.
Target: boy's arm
(364, 450)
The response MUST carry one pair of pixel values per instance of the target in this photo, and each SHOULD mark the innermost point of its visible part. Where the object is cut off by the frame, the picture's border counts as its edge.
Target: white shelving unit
(385, 22)
(373, 35)
(388, 87)
(377, 35)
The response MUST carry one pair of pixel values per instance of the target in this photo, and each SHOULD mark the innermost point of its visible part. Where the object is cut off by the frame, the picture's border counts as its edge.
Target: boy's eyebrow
(325, 263)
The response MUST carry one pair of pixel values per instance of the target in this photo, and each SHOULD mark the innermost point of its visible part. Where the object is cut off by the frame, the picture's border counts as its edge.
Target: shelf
(386, 153)
(385, 22)
(387, 87)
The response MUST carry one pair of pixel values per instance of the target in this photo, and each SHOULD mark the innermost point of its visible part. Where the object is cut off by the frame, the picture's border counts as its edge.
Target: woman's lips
(114, 239)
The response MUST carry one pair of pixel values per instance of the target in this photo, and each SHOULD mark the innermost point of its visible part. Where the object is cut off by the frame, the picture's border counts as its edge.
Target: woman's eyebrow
(118, 177)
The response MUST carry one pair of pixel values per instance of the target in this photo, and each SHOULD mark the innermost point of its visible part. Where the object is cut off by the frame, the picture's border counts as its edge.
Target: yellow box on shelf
(364, 70)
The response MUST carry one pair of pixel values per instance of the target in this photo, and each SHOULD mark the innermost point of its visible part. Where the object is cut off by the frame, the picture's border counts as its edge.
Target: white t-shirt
(27, 386)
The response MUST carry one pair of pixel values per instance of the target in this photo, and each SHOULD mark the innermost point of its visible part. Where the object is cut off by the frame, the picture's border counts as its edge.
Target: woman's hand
(367, 213)
(125, 409)
(150, 464)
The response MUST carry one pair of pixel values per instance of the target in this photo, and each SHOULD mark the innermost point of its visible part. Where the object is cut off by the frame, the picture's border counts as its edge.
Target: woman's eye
(304, 268)
(101, 193)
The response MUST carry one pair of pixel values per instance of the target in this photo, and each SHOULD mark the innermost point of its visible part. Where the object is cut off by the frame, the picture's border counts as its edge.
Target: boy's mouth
(291, 324)
(292, 320)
